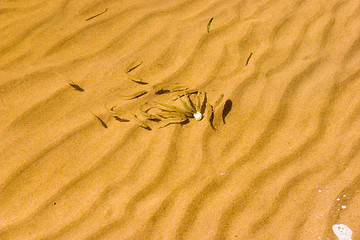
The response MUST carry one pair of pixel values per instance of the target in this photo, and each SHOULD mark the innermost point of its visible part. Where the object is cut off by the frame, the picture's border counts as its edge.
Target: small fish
(174, 108)
(115, 114)
(136, 79)
(218, 101)
(99, 120)
(133, 68)
(247, 61)
(111, 110)
(209, 23)
(163, 84)
(147, 115)
(174, 120)
(210, 115)
(70, 82)
(135, 95)
(198, 100)
(178, 89)
(187, 91)
(170, 115)
(209, 112)
(96, 15)
(185, 105)
(190, 103)
(139, 122)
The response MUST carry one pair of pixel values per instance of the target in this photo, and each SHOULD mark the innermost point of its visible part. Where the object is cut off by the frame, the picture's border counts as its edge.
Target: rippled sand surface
(282, 161)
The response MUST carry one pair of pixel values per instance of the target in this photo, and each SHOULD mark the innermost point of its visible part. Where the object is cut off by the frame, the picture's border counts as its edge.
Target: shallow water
(280, 160)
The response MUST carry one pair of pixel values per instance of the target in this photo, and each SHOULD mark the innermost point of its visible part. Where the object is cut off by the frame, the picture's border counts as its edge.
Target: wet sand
(280, 160)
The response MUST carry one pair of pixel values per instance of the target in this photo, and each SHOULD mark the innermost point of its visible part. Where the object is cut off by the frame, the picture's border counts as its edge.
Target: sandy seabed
(281, 161)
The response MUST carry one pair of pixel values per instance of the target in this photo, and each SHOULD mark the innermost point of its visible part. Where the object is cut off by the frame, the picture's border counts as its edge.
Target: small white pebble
(222, 173)
(319, 190)
(343, 206)
(198, 116)
(344, 195)
(338, 199)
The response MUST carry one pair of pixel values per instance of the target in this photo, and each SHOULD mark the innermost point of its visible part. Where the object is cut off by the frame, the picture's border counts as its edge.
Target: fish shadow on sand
(227, 109)
(76, 87)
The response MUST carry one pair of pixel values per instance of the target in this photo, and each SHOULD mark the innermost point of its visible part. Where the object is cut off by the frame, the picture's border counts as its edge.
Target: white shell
(198, 116)
(342, 231)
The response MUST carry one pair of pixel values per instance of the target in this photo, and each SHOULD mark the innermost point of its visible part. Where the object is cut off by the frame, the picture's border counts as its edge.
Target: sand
(281, 160)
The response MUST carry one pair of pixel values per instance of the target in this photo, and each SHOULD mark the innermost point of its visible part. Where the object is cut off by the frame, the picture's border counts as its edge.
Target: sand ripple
(283, 162)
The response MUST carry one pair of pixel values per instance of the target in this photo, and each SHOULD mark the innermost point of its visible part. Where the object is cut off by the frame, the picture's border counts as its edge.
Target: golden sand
(283, 158)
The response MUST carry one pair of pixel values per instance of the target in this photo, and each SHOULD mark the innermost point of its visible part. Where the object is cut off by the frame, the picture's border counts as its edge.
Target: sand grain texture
(283, 162)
